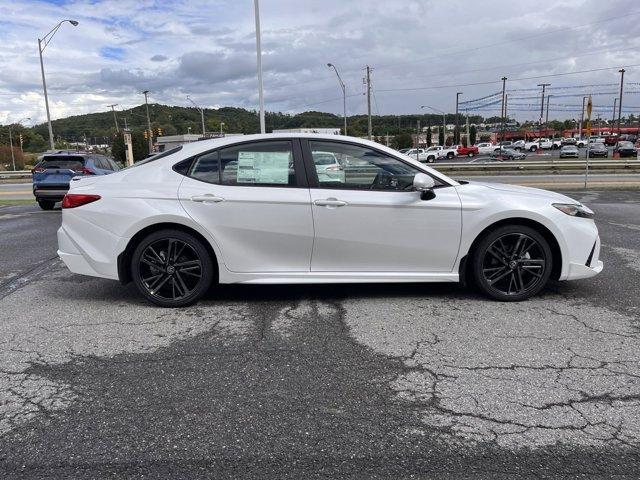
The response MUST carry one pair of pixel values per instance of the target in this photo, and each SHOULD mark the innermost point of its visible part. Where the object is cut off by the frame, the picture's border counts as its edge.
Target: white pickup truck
(432, 154)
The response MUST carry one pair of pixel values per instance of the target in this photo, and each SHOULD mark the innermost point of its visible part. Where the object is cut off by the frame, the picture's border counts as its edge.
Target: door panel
(369, 219)
(258, 228)
(386, 231)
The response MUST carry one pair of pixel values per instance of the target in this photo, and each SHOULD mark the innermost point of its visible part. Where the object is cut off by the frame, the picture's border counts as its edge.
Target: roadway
(367, 381)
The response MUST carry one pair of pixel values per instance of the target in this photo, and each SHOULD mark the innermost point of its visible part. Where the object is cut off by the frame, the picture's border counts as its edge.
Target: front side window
(260, 164)
(345, 166)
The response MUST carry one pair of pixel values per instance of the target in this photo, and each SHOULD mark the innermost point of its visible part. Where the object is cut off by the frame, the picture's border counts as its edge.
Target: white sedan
(260, 209)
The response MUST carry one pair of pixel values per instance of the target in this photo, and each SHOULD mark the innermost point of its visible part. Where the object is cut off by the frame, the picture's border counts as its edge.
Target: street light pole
(621, 71)
(344, 96)
(146, 104)
(201, 113)
(581, 119)
(259, 54)
(42, 44)
(613, 120)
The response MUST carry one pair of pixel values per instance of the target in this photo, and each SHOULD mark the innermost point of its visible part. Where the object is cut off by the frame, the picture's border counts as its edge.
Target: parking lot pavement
(378, 381)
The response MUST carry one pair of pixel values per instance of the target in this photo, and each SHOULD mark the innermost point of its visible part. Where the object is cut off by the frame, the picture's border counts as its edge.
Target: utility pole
(622, 70)
(468, 138)
(546, 120)
(259, 54)
(613, 119)
(418, 141)
(581, 119)
(503, 112)
(368, 83)
(456, 132)
(115, 119)
(543, 85)
(146, 103)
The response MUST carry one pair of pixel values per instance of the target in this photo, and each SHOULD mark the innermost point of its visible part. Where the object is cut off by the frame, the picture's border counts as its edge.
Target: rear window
(62, 162)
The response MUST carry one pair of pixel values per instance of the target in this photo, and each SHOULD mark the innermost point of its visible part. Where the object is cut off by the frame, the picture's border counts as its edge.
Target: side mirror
(424, 184)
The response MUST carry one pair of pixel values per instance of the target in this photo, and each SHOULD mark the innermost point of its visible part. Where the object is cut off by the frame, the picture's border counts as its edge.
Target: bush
(6, 162)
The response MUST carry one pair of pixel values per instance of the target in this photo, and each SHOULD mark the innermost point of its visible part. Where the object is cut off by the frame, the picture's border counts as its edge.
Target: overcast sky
(421, 52)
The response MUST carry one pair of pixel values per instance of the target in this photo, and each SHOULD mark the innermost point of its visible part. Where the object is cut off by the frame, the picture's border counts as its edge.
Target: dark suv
(52, 174)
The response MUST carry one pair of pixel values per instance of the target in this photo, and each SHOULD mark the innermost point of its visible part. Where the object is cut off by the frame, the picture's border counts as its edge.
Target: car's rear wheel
(450, 155)
(511, 263)
(470, 154)
(172, 268)
(431, 159)
(533, 148)
(46, 204)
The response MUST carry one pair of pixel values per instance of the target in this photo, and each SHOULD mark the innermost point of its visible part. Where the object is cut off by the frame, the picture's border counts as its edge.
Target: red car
(468, 151)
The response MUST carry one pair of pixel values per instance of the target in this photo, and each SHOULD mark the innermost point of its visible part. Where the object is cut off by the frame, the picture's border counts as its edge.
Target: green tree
(140, 147)
(404, 140)
(429, 135)
(441, 136)
(473, 133)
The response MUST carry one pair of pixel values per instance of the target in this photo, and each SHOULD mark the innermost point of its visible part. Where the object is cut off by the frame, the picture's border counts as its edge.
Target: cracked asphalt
(347, 381)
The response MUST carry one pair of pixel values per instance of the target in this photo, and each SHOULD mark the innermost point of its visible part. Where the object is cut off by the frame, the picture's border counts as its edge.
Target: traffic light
(20, 137)
(146, 134)
(159, 131)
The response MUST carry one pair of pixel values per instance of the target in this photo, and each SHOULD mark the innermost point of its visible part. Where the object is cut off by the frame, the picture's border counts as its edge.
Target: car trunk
(54, 171)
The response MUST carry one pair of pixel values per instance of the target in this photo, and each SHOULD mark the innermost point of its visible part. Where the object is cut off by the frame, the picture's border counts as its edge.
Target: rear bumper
(50, 193)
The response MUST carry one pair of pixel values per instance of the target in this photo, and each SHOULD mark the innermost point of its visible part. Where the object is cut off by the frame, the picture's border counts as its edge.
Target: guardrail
(557, 166)
(16, 174)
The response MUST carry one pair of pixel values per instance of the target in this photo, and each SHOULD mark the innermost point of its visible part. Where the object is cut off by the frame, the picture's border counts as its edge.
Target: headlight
(574, 210)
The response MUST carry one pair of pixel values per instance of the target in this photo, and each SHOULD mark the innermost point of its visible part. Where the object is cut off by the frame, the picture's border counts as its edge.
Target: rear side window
(62, 162)
(260, 164)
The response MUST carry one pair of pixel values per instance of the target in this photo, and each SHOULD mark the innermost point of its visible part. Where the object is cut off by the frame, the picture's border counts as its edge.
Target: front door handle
(330, 202)
(207, 198)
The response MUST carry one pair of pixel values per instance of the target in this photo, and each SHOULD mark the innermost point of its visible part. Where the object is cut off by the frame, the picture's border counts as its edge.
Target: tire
(470, 154)
(431, 159)
(450, 155)
(163, 282)
(46, 204)
(533, 148)
(506, 276)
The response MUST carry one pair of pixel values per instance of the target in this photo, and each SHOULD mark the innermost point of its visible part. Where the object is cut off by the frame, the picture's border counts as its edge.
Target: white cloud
(207, 49)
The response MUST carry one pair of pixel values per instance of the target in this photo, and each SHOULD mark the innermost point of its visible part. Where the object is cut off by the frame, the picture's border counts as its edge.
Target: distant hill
(100, 127)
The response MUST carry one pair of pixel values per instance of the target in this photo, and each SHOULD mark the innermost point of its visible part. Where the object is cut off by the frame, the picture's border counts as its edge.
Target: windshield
(625, 144)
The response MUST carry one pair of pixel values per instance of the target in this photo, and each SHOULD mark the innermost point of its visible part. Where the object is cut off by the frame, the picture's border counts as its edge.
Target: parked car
(568, 141)
(178, 222)
(486, 148)
(404, 150)
(328, 167)
(466, 151)
(530, 146)
(52, 174)
(625, 149)
(569, 151)
(611, 140)
(508, 154)
(598, 149)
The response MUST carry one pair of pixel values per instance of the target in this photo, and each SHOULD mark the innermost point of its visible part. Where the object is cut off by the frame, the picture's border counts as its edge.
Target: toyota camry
(265, 209)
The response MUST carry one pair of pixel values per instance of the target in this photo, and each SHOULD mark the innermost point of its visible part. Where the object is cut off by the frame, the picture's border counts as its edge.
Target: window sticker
(263, 167)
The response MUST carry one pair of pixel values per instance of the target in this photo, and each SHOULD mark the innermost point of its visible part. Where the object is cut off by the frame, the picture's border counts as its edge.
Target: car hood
(529, 191)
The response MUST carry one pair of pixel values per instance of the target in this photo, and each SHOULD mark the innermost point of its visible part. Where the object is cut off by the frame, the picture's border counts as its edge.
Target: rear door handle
(330, 202)
(207, 199)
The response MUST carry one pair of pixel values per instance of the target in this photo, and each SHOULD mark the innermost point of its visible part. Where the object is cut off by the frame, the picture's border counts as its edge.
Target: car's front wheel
(172, 268)
(511, 263)
(46, 204)
(450, 155)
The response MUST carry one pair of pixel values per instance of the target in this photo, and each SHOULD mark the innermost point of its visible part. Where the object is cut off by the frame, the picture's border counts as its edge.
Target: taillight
(73, 200)
(85, 171)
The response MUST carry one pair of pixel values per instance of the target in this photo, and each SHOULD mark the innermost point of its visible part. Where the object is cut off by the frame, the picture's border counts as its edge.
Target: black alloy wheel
(172, 268)
(512, 263)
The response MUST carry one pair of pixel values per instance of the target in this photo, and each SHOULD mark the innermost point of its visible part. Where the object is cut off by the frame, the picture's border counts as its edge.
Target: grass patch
(8, 203)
